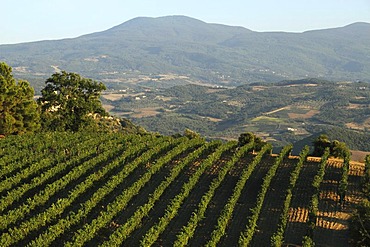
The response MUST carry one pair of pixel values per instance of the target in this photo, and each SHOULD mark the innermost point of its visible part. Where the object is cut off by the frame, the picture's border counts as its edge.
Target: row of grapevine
(14, 144)
(152, 235)
(366, 179)
(343, 183)
(247, 235)
(121, 233)
(188, 230)
(17, 233)
(39, 145)
(88, 231)
(18, 192)
(314, 203)
(43, 196)
(228, 209)
(32, 169)
(98, 189)
(277, 238)
(12, 140)
(73, 218)
(17, 152)
(21, 160)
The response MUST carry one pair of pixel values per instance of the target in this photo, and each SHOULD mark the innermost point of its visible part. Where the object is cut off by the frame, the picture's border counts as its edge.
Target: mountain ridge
(185, 46)
(138, 21)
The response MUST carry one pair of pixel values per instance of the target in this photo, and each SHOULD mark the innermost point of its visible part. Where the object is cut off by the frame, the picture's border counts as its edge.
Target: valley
(283, 112)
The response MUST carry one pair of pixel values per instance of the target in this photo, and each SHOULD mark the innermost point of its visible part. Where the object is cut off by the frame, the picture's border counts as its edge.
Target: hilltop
(191, 50)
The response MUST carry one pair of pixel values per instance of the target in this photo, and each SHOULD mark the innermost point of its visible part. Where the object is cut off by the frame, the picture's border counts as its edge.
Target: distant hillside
(282, 112)
(192, 51)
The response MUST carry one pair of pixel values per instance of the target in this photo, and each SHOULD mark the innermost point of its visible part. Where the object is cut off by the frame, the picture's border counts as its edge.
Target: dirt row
(332, 226)
(298, 212)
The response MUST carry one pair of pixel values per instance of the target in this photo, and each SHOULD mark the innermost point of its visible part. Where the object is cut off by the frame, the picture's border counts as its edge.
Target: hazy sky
(31, 20)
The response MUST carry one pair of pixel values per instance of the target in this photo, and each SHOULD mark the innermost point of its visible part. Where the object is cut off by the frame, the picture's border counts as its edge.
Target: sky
(34, 20)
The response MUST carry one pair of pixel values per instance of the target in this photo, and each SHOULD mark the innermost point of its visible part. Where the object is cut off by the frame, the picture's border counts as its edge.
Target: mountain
(193, 50)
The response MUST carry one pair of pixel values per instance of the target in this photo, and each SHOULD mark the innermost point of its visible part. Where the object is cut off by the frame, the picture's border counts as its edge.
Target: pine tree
(18, 111)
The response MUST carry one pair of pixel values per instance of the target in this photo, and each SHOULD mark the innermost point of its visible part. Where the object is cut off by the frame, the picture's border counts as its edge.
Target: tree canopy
(18, 110)
(248, 137)
(337, 148)
(69, 102)
(320, 144)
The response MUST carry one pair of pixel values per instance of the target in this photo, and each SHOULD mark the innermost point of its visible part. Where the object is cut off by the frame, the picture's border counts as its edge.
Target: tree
(245, 138)
(18, 110)
(248, 137)
(258, 143)
(339, 149)
(320, 144)
(70, 102)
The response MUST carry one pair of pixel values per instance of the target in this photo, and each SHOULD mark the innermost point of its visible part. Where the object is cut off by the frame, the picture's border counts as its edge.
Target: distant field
(359, 155)
(307, 115)
(266, 119)
(145, 112)
(112, 96)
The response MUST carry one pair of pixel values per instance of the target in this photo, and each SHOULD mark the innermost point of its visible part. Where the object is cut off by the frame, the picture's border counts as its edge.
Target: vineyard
(64, 189)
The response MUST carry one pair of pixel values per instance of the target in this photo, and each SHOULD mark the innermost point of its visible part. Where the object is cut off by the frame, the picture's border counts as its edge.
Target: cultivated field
(101, 189)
